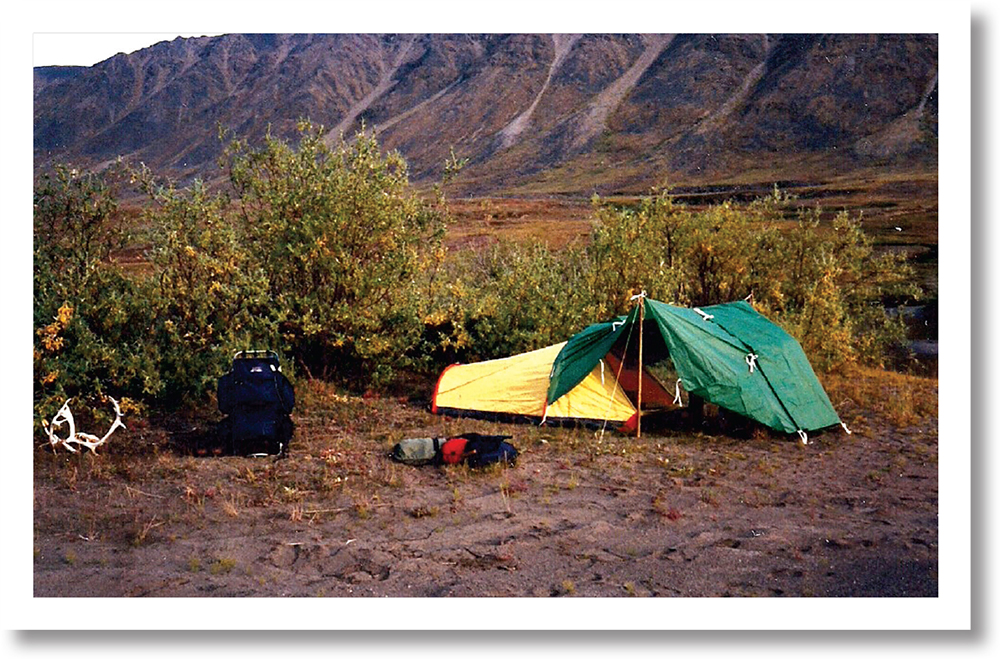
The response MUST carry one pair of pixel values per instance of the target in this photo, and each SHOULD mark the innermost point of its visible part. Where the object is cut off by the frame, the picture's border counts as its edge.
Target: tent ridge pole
(638, 402)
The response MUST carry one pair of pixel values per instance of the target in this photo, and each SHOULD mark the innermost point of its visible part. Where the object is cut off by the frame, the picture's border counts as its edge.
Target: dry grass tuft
(897, 398)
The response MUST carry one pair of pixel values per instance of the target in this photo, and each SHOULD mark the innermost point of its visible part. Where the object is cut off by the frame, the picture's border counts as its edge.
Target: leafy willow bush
(634, 250)
(502, 300)
(208, 291)
(89, 317)
(325, 254)
(341, 240)
(315, 253)
(822, 281)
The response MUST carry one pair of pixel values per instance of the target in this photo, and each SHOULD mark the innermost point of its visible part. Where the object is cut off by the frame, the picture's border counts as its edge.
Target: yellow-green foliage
(508, 298)
(901, 398)
(325, 254)
(209, 292)
(90, 319)
(821, 280)
(341, 239)
(831, 293)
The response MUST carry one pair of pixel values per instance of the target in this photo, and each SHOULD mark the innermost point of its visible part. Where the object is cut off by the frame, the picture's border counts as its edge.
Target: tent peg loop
(846, 429)
(803, 436)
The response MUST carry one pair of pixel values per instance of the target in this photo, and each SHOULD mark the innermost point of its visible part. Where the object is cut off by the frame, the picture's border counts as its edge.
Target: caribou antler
(65, 416)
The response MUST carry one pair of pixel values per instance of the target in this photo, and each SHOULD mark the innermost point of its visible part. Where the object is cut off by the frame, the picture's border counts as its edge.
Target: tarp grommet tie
(803, 436)
(704, 316)
(846, 429)
(677, 393)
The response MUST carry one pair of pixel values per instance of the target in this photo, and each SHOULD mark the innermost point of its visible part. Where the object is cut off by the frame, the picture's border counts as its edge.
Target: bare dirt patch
(672, 514)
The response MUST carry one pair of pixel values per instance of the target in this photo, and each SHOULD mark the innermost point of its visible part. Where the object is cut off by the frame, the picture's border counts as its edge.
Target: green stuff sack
(418, 451)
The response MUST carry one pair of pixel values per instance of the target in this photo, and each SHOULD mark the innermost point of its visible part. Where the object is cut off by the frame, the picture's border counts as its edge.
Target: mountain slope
(533, 113)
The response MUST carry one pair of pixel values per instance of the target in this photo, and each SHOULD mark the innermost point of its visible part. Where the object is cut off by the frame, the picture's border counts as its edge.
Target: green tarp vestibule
(728, 354)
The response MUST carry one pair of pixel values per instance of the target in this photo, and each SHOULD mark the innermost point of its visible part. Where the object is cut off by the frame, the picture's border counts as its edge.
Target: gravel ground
(675, 514)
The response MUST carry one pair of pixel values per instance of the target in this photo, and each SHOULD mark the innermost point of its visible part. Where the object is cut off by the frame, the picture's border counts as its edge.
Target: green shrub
(325, 254)
(634, 250)
(90, 320)
(210, 294)
(505, 299)
(341, 239)
(822, 280)
(832, 287)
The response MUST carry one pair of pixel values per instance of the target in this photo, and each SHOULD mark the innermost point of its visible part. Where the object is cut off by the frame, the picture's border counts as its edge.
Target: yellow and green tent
(727, 354)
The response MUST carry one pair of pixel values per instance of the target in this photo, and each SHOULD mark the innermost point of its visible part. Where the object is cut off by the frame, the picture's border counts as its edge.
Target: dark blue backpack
(257, 399)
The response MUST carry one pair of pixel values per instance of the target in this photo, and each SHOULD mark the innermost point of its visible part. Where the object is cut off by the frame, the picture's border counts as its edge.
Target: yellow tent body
(518, 386)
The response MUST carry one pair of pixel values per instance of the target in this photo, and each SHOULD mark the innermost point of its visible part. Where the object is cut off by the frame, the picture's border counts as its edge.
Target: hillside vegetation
(327, 255)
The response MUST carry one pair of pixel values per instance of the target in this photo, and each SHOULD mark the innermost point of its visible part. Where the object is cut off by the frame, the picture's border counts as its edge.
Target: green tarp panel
(728, 354)
(586, 347)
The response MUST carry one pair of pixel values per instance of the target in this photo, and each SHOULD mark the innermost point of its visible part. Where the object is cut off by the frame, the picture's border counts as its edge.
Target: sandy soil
(674, 514)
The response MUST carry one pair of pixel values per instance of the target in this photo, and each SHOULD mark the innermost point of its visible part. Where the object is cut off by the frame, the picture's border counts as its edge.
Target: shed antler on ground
(65, 416)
